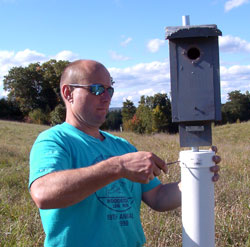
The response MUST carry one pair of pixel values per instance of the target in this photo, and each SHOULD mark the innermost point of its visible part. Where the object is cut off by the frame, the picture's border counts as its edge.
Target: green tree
(24, 86)
(57, 116)
(160, 120)
(237, 107)
(161, 113)
(51, 72)
(10, 110)
(37, 116)
(128, 110)
(153, 114)
(35, 86)
(144, 118)
(113, 120)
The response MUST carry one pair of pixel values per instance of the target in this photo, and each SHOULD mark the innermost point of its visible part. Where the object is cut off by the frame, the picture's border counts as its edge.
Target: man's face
(87, 108)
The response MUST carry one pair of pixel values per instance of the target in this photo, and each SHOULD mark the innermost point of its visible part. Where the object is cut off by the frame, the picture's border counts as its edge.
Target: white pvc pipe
(197, 198)
(195, 149)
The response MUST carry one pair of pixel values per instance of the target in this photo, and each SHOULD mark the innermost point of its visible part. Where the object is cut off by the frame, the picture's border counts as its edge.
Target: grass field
(19, 218)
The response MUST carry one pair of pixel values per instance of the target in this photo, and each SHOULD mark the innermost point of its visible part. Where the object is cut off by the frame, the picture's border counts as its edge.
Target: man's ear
(67, 94)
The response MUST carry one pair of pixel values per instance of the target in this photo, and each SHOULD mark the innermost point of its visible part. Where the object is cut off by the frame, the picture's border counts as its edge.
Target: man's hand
(215, 169)
(141, 166)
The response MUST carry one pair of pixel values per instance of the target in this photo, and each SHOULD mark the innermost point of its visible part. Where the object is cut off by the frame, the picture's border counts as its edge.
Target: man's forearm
(169, 197)
(164, 197)
(65, 188)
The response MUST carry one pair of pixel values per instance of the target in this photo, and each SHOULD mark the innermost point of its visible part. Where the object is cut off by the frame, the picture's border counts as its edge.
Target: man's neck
(87, 129)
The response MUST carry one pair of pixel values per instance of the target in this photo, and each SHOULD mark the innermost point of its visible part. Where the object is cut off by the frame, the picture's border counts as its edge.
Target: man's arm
(67, 187)
(164, 197)
(64, 188)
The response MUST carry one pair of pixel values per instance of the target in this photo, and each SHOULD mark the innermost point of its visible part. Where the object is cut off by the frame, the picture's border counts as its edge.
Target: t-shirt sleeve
(47, 156)
(151, 185)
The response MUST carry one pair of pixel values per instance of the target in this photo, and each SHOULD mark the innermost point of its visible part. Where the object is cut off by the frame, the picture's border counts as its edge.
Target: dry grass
(19, 219)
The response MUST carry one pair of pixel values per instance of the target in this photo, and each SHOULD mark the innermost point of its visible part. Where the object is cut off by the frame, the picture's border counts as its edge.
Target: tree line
(34, 96)
(34, 92)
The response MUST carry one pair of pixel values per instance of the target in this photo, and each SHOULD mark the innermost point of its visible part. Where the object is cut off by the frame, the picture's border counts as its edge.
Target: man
(87, 183)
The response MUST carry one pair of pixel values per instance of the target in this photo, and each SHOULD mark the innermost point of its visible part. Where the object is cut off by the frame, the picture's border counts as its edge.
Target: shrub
(37, 116)
(58, 115)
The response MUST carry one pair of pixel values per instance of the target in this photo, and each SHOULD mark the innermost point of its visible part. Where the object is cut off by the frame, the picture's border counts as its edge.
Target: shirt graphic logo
(118, 195)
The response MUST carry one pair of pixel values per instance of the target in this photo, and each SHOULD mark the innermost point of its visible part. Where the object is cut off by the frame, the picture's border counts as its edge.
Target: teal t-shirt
(108, 218)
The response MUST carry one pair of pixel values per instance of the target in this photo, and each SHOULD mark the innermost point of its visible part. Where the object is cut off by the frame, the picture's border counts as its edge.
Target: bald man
(87, 183)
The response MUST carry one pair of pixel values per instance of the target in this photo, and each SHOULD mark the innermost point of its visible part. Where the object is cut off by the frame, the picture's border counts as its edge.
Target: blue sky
(127, 36)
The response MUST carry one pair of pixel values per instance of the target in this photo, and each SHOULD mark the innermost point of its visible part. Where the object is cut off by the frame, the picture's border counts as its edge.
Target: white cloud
(126, 41)
(155, 44)
(235, 77)
(231, 4)
(5, 56)
(236, 72)
(28, 56)
(3, 94)
(142, 72)
(224, 83)
(128, 98)
(229, 43)
(147, 91)
(118, 57)
(66, 55)
(9, 59)
(140, 79)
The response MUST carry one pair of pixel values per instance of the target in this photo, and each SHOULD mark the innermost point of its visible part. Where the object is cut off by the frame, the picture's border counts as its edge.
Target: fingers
(160, 165)
(215, 177)
(214, 148)
(156, 171)
(216, 159)
(141, 166)
(215, 169)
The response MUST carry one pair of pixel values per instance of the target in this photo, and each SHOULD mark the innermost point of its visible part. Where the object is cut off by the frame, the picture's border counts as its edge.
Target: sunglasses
(96, 89)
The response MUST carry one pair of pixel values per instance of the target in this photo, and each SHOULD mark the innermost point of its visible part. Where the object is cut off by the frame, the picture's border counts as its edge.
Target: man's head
(85, 89)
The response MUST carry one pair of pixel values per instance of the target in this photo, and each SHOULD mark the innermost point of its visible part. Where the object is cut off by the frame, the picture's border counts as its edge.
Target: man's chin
(100, 122)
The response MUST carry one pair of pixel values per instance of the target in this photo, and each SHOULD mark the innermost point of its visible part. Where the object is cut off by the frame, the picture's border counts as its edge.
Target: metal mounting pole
(185, 20)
